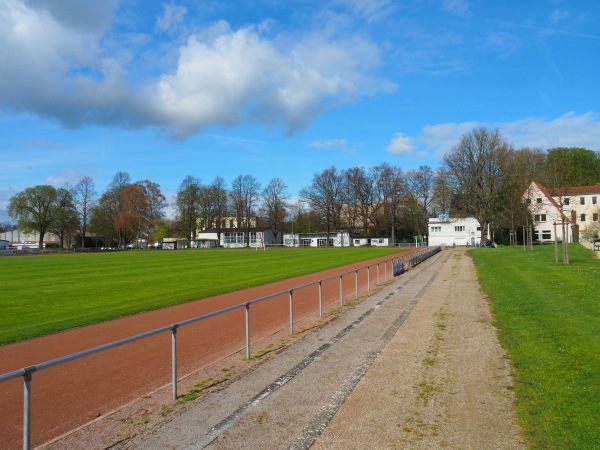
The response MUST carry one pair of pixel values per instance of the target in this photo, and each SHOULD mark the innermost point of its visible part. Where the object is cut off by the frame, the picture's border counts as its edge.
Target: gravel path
(416, 365)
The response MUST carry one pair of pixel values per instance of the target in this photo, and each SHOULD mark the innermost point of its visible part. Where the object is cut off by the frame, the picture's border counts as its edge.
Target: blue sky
(283, 89)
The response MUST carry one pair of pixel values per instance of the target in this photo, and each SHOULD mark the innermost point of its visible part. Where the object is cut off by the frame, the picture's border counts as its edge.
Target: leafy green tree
(35, 209)
(572, 166)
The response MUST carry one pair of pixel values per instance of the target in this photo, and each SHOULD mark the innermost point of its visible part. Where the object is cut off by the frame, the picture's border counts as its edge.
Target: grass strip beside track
(548, 317)
(44, 294)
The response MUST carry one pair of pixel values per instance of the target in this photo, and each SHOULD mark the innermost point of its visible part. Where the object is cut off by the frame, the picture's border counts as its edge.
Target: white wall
(464, 231)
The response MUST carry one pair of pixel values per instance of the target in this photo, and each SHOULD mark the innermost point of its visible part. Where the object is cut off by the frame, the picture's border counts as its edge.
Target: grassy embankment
(548, 317)
(48, 293)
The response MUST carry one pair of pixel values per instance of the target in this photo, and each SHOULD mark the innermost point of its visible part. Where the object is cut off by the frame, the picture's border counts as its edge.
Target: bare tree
(274, 205)
(84, 198)
(419, 195)
(155, 203)
(244, 195)
(361, 197)
(477, 168)
(66, 221)
(220, 202)
(442, 192)
(391, 185)
(324, 197)
(188, 205)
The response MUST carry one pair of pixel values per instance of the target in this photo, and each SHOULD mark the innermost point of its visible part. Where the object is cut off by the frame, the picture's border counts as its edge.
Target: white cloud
(443, 137)
(459, 8)
(221, 77)
(558, 15)
(173, 15)
(327, 144)
(568, 130)
(401, 144)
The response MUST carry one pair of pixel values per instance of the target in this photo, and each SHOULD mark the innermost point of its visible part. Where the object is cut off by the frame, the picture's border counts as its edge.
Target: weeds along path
(442, 382)
(70, 395)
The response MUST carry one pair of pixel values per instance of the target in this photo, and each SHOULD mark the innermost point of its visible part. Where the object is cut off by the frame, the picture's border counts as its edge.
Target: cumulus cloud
(443, 137)
(221, 77)
(401, 144)
(568, 130)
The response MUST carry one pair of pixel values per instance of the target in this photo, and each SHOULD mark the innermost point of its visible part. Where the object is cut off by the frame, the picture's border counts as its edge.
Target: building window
(436, 229)
(582, 200)
(528, 201)
(536, 235)
(540, 217)
(546, 235)
(594, 200)
(253, 237)
(234, 238)
(582, 217)
(567, 201)
(459, 229)
(539, 200)
(595, 217)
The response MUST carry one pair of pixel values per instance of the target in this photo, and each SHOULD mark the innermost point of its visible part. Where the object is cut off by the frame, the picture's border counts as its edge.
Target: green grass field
(48, 293)
(548, 317)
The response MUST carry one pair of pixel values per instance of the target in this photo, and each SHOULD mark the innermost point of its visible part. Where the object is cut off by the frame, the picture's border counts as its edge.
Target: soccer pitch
(49, 293)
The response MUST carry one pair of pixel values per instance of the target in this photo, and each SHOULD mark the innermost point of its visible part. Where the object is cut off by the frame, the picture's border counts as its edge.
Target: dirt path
(442, 382)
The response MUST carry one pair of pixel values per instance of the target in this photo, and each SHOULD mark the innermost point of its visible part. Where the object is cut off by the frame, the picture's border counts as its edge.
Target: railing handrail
(26, 372)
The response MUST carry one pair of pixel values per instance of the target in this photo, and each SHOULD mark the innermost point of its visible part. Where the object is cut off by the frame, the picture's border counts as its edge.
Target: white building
(317, 240)
(236, 238)
(372, 241)
(444, 230)
(577, 207)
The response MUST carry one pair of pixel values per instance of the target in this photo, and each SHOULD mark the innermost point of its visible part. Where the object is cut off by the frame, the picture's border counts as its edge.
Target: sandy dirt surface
(443, 381)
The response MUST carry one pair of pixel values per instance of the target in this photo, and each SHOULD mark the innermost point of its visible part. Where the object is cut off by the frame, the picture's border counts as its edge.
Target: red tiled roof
(575, 190)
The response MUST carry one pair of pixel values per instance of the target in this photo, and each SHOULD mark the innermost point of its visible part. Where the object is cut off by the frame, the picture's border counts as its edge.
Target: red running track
(69, 395)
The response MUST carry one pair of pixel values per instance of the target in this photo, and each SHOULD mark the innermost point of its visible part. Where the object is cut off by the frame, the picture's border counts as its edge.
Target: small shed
(174, 243)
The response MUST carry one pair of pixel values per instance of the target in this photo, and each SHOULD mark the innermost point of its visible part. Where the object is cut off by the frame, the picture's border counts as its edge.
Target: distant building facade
(444, 230)
(577, 207)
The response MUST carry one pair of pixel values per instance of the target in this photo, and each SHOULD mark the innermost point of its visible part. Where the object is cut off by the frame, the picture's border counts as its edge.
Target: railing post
(291, 312)
(27, 407)
(369, 278)
(356, 283)
(248, 330)
(341, 292)
(320, 299)
(174, 360)
(378, 273)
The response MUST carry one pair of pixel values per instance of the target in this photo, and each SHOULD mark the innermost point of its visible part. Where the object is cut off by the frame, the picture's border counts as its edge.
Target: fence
(399, 266)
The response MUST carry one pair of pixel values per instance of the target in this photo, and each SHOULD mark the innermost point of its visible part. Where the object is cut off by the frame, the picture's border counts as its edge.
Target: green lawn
(548, 317)
(47, 293)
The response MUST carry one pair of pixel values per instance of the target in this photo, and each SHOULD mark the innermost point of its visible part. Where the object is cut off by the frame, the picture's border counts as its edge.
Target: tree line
(482, 176)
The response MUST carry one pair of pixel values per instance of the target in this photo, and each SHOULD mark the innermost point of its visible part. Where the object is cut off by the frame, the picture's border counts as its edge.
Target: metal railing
(399, 265)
